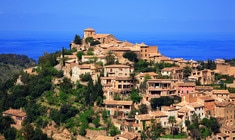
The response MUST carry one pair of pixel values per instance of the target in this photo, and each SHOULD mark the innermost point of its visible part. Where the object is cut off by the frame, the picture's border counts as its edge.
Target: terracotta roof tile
(15, 112)
(185, 109)
(104, 138)
(89, 29)
(187, 84)
(158, 114)
(203, 88)
(148, 73)
(207, 98)
(220, 92)
(119, 49)
(100, 35)
(113, 102)
(143, 117)
(221, 104)
(117, 66)
(127, 135)
(196, 105)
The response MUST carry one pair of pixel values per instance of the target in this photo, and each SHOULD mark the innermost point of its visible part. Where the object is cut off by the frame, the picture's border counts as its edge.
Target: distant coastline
(187, 47)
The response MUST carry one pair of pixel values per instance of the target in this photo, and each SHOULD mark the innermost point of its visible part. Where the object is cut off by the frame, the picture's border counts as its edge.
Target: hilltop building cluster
(119, 78)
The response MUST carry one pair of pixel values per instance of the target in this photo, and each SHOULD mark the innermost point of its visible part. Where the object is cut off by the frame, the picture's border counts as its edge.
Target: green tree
(49, 59)
(96, 121)
(10, 134)
(187, 71)
(89, 40)
(143, 84)
(131, 56)
(82, 130)
(110, 58)
(135, 96)
(79, 55)
(143, 109)
(99, 88)
(114, 131)
(5, 123)
(172, 121)
(153, 132)
(77, 39)
(95, 42)
(162, 101)
(105, 115)
(28, 131)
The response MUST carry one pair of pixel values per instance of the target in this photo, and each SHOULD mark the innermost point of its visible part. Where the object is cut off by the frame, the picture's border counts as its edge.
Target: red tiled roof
(89, 29)
(113, 102)
(15, 112)
(221, 104)
(143, 117)
(104, 138)
(117, 66)
(187, 84)
(128, 135)
(206, 98)
(220, 92)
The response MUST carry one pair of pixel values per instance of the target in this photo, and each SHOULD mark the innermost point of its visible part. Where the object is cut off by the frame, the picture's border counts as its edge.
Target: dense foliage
(202, 129)
(12, 64)
(91, 41)
(77, 39)
(131, 56)
(163, 101)
(209, 64)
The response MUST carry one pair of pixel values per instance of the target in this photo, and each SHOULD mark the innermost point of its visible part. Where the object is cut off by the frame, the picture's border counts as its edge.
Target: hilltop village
(137, 93)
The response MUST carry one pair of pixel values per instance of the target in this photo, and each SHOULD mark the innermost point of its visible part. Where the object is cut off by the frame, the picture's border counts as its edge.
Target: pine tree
(99, 88)
(77, 40)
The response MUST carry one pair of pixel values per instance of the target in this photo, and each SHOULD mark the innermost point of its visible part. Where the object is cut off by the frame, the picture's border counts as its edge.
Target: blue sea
(195, 47)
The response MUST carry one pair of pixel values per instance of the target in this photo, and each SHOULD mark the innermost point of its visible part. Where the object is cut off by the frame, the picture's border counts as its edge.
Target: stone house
(209, 105)
(93, 58)
(78, 70)
(145, 120)
(173, 72)
(204, 89)
(227, 132)
(220, 93)
(225, 69)
(118, 108)
(170, 111)
(160, 87)
(186, 112)
(185, 87)
(117, 71)
(113, 85)
(205, 77)
(102, 38)
(226, 111)
(126, 136)
(147, 51)
(140, 77)
(18, 115)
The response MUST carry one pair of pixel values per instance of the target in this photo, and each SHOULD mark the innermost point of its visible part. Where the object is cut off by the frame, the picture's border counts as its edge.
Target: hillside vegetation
(13, 64)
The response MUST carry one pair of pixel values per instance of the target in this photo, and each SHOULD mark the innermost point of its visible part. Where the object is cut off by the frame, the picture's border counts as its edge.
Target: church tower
(88, 32)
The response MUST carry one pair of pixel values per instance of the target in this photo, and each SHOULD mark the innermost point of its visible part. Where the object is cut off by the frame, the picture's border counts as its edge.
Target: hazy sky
(119, 16)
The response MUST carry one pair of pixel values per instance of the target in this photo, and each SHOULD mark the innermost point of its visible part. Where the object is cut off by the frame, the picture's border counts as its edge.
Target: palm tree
(172, 121)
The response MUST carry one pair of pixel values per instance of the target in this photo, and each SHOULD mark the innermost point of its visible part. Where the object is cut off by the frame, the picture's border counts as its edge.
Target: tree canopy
(131, 56)
(77, 39)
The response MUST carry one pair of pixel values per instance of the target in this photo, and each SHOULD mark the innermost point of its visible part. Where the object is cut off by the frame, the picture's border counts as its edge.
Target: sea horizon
(190, 47)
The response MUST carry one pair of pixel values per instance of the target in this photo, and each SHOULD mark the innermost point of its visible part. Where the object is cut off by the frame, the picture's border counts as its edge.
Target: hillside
(12, 64)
